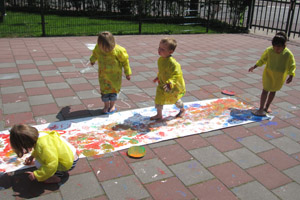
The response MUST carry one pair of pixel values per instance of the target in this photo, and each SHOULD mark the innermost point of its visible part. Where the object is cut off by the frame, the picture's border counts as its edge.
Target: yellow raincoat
(278, 66)
(53, 154)
(169, 71)
(110, 68)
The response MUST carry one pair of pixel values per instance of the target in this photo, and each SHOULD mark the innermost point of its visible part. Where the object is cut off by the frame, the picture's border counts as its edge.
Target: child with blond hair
(112, 59)
(171, 85)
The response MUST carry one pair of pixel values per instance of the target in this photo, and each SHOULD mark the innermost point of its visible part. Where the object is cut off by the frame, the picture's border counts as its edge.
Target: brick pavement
(46, 79)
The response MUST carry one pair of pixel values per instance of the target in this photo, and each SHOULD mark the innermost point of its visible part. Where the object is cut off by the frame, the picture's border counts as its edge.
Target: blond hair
(106, 41)
(170, 42)
(23, 137)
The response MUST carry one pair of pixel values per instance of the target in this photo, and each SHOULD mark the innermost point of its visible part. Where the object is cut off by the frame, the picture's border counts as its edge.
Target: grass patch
(19, 24)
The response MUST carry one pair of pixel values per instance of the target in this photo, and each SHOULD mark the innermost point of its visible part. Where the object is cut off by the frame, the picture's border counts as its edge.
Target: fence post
(140, 14)
(290, 18)
(43, 18)
(250, 14)
(2, 10)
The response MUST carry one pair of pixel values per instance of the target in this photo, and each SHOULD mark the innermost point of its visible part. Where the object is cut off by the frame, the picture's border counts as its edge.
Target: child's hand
(290, 78)
(29, 160)
(167, 87)
(128, 77)
(31, 175)
(155, 80)
(252, 68)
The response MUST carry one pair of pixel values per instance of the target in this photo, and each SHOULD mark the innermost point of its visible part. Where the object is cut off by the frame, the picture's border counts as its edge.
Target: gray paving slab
(286, 144)
(291, 132)
(51, 196)
(41, 99)
(9, 76)
(209, 156)
(151, 170)
(29, 71)
(76, 80)
(19, 107)
(34, 84)
(81, 186)
(54, 86)
(12, 89)
(290, 191)
(253, 191)
(244, 158)
(128, 187)
(293, 173)
(68, 101)
(256, 144)
(191, 172)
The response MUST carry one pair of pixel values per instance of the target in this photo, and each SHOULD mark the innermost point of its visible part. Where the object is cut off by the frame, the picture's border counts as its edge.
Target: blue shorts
(109, 97)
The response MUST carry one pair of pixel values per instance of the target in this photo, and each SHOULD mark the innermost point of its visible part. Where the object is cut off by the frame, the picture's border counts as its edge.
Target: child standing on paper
(279, 62)
(171, 85)
(53, 155)
(111, 59)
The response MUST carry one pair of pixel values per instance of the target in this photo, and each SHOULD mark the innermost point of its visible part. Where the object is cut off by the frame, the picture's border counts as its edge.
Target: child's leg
(113, 99)
(158, 116)
(269, 101)
(105, 99)
(53, 179)
(106, 106)
(263, 98)
(179, 104)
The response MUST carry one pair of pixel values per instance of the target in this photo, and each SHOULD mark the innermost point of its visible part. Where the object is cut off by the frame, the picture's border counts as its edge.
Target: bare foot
(268, 110)
(156, 117)
(53, 179)
(105, 110)
(181, 113)
(258, 112)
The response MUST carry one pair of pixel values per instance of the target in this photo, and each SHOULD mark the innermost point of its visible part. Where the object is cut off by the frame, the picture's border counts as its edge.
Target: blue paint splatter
(270, 124)
(195, 105)
(233, 175)
(269, 136)
(182, 193)
(110, 162)
(239, 139)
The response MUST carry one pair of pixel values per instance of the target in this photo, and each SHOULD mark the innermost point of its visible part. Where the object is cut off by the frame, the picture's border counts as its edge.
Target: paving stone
(50, 196)
(282, 114)
(62, 59)
(208, 156)
(109, 168)
(19, 107)
(34, 84)
(9, 76)
(211, 133)
(253, 191)
(278, 159)
(81, 186)
(294, 173)
(88, 94)
(212, 189)
(128, 187)
(229, 79)
(285, 106)
(150, 170)
(76, 80)
(170, 188)
(269, 176)
(160, 144)
(12, 89)
(7, 194)
(29, 71)
(192, 142)
(291, 132)
(256, 144)
(191, 172)
(137, 78)
(7, 65)
(221, 83)
(286, 144)
(43, 62)
(53, 86)
(67, 101)
(41, 99)
(244, 158)
(50, 73)
(290, 191)
(223, 142)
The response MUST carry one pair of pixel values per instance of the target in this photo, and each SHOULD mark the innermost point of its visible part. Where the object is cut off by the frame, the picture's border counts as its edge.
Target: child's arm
(252, 68)
(123, 58)
(94, 55)
(289, 79)
(29, 160)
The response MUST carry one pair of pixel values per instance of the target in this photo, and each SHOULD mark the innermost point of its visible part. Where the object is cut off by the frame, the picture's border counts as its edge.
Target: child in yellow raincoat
(171, 85)
(111, 58)
(53, 155)
(280, 63)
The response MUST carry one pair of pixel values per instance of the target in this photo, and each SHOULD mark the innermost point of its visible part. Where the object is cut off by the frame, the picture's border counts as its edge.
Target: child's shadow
(23, 187)
(66, 114)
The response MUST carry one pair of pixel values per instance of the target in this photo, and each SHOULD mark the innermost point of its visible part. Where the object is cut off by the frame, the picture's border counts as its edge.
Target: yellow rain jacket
(278, 66)
(110, 68)
(169, 71)
(53, 154)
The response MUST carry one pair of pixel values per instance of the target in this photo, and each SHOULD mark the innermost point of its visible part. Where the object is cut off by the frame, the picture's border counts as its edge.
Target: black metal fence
(88, 17)
(276, 15)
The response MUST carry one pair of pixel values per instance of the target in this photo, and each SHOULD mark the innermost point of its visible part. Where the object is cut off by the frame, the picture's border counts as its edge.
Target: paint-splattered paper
(94, 136)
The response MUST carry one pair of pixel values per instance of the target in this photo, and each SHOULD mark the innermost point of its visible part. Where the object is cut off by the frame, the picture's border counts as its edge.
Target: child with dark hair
(53, 155)
(280, 64)
(111, 58)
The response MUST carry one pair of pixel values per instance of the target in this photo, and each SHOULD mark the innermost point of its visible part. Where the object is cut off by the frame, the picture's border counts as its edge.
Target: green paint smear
(133, 141)
(107, 148)
(89, 152)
